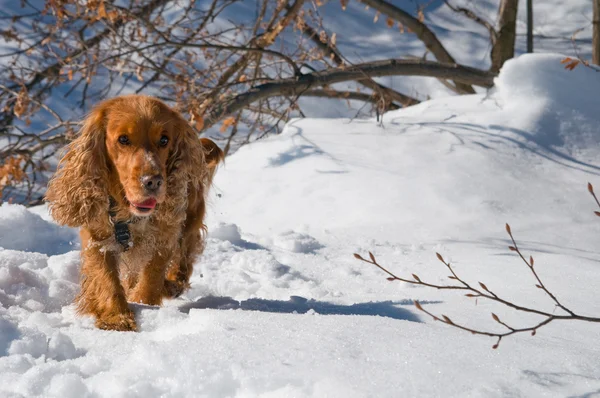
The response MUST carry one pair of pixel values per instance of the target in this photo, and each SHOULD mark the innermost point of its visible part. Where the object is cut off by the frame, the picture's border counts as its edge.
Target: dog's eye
(164, 140)
(124, 140)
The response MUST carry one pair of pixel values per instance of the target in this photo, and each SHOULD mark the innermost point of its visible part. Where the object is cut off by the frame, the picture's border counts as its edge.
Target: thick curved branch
(347, 95)
(424, 34)
(359, 72)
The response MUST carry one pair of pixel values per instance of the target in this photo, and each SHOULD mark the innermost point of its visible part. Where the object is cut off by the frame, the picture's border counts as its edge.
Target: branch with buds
(482, 291)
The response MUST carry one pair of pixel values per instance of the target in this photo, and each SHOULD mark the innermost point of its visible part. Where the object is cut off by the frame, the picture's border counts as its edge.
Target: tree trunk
(596, 33)
(504, 48)
(529, 26)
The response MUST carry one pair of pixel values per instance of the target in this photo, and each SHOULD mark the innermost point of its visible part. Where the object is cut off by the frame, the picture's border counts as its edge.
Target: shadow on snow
(301, 305)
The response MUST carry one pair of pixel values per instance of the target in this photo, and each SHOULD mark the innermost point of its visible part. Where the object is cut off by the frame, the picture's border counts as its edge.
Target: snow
(24, 230)
(296, 242)
(279, 306)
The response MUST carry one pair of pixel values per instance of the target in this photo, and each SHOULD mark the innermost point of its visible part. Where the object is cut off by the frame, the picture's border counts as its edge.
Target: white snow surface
(279, 307)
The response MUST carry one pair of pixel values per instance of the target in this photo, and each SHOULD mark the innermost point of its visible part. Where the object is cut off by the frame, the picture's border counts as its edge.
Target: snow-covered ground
(280, 308)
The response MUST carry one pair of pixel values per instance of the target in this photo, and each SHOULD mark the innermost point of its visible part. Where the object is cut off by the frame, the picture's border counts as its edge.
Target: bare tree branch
(393, 67)
(347, 95)
(424, 34)
(475, 18)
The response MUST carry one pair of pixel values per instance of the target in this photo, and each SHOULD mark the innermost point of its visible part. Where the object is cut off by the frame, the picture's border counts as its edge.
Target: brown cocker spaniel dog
(135, 180)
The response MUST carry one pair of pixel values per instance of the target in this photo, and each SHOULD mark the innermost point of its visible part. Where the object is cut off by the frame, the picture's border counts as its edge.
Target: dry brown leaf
(199, 124)
(22, 103)
(572, 65)
(230, 121)
(102, 10)
(113, 15)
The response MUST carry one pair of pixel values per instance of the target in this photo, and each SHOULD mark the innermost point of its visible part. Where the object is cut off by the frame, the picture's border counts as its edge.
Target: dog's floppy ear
(213, 155)
(186, 160)
(192, 159)
(77, 193)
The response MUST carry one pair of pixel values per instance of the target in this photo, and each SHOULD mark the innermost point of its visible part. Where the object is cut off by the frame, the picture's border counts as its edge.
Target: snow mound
(231, 233)
(226, 232)
(58, 346)
(296, 242)
(37, 283)
(556, 100)
(242, 273)
(23, 230)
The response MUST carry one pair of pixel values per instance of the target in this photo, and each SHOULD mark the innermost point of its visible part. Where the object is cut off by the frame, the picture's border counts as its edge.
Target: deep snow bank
(558, 107)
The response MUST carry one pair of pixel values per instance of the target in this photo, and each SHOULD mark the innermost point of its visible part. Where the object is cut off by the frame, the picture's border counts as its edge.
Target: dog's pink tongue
(147, 204)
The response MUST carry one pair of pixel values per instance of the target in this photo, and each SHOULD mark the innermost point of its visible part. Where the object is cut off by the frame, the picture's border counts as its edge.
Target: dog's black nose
(152, 183)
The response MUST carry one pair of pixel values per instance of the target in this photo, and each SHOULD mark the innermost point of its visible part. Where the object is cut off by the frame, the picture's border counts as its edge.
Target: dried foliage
(482, 291)
(239, 67)
(11, 173)
(571, 63)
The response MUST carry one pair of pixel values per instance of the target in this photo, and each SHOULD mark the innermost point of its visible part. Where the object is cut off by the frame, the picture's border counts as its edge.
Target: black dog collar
(122, 234)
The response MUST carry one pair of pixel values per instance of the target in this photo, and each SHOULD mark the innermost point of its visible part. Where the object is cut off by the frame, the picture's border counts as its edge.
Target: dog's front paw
(120, 322)
(174, 289)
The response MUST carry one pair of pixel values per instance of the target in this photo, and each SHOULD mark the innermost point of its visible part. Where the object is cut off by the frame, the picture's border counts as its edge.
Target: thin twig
(486, 293)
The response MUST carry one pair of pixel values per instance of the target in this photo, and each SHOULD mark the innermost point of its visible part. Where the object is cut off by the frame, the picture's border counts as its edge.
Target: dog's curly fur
(165, 242)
